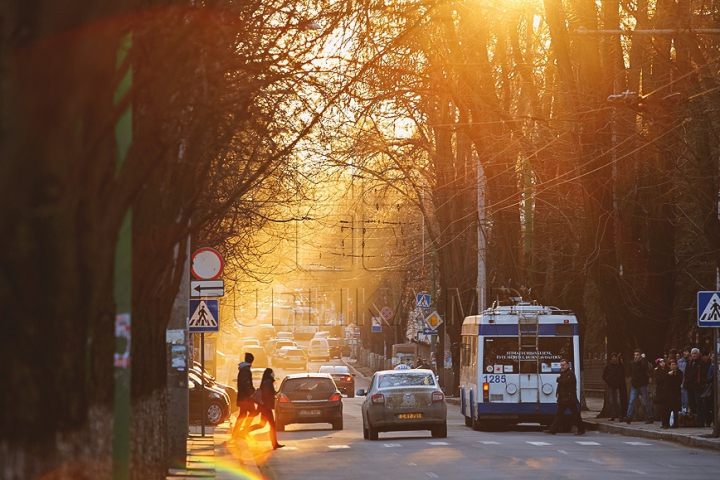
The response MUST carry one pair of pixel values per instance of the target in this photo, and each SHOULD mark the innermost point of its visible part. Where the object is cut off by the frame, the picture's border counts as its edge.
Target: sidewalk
(216, 456)
(691, 437)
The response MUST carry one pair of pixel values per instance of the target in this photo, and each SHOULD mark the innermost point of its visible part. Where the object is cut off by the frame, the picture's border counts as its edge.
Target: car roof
(308, 375)
(333, 369)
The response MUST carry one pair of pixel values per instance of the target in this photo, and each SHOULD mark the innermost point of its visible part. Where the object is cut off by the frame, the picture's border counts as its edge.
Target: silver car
(401, 400)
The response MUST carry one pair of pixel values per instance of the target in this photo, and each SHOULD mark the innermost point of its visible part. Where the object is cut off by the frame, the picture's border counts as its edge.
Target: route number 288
(495, 378)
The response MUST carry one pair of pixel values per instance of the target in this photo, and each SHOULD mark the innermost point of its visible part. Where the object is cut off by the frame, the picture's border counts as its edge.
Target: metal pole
(716, 384)
(202, 384)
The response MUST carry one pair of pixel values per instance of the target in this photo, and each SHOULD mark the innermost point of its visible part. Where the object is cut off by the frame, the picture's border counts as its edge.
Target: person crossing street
(567, 399)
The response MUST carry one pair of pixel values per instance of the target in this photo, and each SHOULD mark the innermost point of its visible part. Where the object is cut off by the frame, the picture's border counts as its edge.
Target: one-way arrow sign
(207, 288)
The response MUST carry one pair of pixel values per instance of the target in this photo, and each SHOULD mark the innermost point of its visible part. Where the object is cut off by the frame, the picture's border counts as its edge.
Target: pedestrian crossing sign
(708, 307)
(422, 300)
(204, 316)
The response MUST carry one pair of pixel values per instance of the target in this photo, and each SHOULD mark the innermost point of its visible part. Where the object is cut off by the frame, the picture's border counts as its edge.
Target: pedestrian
(682, 366)
(673, 397)
(246, 407)
(423, 364)
(566, 394)
(695, 378)
(267, 389)
(614, 377)
(661, 374)
(638, 385)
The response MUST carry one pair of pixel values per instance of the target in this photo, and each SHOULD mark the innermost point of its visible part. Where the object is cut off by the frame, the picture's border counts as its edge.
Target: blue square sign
(708, 309)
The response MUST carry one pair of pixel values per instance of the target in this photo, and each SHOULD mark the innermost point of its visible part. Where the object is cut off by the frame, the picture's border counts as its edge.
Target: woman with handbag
(267, 405)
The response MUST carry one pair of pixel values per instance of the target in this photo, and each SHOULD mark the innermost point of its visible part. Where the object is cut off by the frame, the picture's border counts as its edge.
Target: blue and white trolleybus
(510, 359)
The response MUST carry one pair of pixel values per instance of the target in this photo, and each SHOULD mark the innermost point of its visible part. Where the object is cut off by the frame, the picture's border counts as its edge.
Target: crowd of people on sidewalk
(683, 393)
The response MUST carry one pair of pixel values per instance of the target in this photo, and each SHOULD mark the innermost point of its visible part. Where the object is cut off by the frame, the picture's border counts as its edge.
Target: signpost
(708, 315)
(206, 265)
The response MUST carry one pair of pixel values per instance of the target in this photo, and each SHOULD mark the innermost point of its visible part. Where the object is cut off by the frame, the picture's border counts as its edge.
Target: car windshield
(406, 379)
(309, 385)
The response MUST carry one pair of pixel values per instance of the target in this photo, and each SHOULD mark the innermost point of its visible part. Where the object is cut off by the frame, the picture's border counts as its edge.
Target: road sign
(386, 313)
(429, 331)
(376, 325)
(207, 264)
(433, 320)
(708, 309)
(205, 317)
(422, 300)
(207, 288)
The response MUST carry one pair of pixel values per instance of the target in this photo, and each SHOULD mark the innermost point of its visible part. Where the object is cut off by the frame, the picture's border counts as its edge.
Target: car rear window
(295, 353)
(405, 379)
(334, 369)
(308, 385)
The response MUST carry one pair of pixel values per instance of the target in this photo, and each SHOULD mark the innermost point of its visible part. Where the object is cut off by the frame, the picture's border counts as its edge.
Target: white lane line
(392, 445)
(587, 443)
(489, 443)
(639, 472)
(599, 462)
(338, 446)
(539, 444)
(411, 464)
(438, 443)
(431, 475)
(563, 452)
(639, 444)
(290, 448)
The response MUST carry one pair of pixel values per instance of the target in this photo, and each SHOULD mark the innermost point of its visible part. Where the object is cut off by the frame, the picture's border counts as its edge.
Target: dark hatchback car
(308, 398)
(337, 347)
(217, 402)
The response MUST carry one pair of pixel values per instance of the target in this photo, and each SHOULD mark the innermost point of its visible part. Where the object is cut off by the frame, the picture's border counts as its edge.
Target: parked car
(308, 398)
(344, 380)
(261, 358)
(217, 402)
(294, 357)
(400, 400)
(209, 379)
(319, 349)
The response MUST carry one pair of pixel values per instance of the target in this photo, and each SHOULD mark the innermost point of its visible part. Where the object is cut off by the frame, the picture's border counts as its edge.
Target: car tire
(440, 432)
(372, 433)
(279, 426)
(366, 434)
(214, 413)
(337, 424)
(468, 421)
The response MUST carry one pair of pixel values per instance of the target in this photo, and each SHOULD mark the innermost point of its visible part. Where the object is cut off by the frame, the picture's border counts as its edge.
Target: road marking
(289, 448)
(588, 443)
(563, 452)
(411, 464)
(392, 445)
(639, 443)
(338, 446)
(599, 462)
(539, 444)
(639, 472)
(438, 443)
(489, 442)
(431, 475)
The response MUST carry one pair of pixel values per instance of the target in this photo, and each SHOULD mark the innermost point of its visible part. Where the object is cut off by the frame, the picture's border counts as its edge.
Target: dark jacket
(567, 384)
(614, 375)
(639, 373)
(671, 388)
(661, 378)
(696, 374)
(267, 387)
(245, 386)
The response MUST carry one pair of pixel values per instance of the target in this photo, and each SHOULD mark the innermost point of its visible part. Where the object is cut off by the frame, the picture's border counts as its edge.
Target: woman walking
(267, 388)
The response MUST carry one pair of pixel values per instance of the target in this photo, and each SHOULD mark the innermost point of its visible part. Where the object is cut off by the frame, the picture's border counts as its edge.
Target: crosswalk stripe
(588, 443)
(539, 444)
(639, 444)
(438, 443)
(489, 443)
(392, 445)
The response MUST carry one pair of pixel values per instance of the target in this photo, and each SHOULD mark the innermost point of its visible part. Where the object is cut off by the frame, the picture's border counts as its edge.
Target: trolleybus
(510, 359)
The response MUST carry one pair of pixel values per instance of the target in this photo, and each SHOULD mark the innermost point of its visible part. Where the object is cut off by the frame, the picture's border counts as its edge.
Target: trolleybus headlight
(486, 392)
(511, 388)
(547, 389)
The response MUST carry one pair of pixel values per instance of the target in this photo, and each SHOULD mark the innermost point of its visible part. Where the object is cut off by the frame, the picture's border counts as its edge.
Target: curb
(687, 440)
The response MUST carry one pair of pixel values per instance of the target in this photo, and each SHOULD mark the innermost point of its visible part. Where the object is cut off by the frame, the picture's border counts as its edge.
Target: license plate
(409, 415)
(309, 412)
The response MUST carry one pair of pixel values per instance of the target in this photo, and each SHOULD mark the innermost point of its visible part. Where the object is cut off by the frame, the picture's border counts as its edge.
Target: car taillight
(282, 398)
(438, 396)
(378, 398)
(486, 392)
(348, 379)
(335, 397)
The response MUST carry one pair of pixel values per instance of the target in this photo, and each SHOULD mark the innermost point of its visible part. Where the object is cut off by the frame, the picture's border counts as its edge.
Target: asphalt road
(316, 451)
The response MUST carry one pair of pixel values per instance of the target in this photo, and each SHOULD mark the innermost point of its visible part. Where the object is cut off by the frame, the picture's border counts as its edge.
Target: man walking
(245, 390)
(638, 385)
(614, 377)
(695, 377)
(567, 399)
